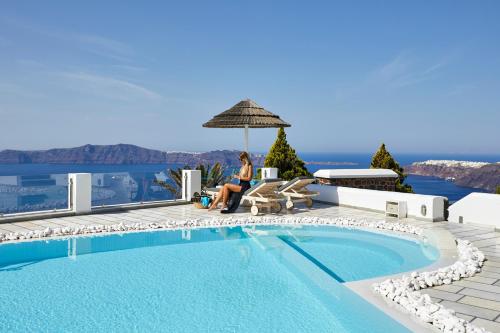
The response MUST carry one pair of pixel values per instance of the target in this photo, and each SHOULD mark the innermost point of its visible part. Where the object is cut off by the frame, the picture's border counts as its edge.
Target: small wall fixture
(423, 210)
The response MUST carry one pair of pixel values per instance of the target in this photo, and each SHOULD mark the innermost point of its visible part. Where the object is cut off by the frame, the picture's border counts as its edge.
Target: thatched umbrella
(246, 114)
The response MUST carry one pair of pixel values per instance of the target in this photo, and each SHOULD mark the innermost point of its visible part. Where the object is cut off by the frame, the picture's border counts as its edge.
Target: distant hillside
(464, 173)
(120, 154)
(225, 157)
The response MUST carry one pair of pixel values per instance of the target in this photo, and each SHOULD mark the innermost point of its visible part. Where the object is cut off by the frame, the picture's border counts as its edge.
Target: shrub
(384, 160)
(283, 156)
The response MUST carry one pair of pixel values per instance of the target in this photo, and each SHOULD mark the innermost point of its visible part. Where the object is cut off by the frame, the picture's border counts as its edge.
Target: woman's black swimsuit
(245, 185)
(235, 197)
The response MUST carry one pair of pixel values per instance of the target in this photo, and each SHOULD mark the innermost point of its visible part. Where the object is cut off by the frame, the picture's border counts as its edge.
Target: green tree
(384, 160)
(498, 190)
(283, 156)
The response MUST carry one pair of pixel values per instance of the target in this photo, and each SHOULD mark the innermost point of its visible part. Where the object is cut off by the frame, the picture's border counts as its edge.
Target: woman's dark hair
(245, 157)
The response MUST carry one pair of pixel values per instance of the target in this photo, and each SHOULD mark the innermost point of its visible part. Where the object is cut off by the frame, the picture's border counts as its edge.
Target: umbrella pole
(246, 138)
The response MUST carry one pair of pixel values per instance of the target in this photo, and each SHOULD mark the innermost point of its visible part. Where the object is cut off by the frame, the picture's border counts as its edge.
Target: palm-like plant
(210, 177)
(175, 186)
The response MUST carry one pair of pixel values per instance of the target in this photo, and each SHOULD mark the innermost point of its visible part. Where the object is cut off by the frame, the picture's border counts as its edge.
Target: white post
(80, 192)
(269, 173)
(246, 138)
(191, 183)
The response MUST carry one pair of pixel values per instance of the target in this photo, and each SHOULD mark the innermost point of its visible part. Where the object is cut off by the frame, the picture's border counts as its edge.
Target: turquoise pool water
(268, 279)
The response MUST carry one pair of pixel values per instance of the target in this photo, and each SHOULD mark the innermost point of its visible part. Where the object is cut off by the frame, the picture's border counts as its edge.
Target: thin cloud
(12, 89)
(106, 43)
(403, 71)
(460, 89)
(109, 87)
(95, 44)
(104, 46)
(392, 70)
(415, 77)
(131, 69)
(30, 63)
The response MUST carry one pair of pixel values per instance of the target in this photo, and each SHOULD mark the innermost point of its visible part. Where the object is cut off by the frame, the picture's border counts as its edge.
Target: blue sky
(421, 76)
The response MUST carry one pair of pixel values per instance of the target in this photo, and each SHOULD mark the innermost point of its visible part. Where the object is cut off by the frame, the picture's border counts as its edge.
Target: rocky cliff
(463, 173)
(120, 154)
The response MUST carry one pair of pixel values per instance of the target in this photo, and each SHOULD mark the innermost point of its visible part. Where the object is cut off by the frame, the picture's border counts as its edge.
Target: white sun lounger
(212, 192)
(261, 195)
(296, 191)
(264, 194)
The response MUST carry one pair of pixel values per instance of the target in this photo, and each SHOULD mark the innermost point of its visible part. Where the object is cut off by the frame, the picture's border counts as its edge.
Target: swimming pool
(255, 279)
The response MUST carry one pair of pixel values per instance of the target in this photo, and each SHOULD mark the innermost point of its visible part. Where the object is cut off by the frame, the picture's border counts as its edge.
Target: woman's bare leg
(230, 188)
(225, 196)
(218, 198)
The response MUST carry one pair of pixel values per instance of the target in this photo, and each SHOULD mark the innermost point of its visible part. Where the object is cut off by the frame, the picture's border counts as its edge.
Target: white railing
(80, 196)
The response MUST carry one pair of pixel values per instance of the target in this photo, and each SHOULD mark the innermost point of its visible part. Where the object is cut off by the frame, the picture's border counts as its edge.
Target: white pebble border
(171, 224)
(403, 291)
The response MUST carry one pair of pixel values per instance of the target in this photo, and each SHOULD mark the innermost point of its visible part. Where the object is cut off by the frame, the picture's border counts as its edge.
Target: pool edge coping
(364, 288)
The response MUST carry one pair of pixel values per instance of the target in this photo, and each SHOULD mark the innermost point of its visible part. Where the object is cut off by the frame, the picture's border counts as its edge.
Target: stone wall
(380, 184)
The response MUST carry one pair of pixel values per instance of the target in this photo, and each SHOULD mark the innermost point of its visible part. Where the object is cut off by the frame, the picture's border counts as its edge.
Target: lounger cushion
(235, 197)
(293, 181)
(213, 190)
(262, 182)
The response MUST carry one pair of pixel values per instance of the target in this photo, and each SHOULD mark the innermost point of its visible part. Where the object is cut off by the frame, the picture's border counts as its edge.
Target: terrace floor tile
(442, 294)
(481, 302)
(491, 326)
(485, 295)
(472, 310)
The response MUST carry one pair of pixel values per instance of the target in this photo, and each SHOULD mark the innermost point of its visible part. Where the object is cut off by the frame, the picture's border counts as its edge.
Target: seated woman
(245, 175)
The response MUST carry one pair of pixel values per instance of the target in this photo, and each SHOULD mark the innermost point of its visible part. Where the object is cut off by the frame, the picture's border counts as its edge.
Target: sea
(34, 187)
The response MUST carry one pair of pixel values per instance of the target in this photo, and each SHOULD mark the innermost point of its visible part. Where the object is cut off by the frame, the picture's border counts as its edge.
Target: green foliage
(174, 187)
(498, 190)
(283, 156)
(210, 177)
(384, 160)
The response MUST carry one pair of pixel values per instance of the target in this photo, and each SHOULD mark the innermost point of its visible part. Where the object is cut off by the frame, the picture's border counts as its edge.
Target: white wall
(355, 173)
(81, 192)
(479, 208)
(269, 173)
(9, 180)
(61, 179)
(191, 183)
(376, 200)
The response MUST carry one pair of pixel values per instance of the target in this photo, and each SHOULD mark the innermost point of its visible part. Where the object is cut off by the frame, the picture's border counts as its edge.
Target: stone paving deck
(476, 299)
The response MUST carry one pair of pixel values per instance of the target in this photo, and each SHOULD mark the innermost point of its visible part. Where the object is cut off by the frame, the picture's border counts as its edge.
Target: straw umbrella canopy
(246, 114)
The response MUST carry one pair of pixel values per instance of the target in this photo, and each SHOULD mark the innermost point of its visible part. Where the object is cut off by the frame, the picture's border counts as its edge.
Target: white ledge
(355, 173)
